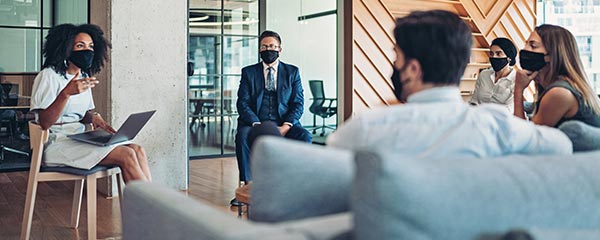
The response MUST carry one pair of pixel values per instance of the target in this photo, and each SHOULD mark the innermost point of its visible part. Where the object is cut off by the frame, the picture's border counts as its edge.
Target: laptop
(130, 128)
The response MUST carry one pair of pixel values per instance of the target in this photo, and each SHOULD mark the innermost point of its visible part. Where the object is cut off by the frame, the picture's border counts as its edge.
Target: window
(25, 23)
(578, 17)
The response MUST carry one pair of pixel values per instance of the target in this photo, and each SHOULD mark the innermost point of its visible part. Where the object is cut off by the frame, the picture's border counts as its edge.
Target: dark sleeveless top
(584, 113)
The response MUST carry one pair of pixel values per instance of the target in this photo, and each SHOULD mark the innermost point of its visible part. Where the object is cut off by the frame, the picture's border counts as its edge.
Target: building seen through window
(582, 18)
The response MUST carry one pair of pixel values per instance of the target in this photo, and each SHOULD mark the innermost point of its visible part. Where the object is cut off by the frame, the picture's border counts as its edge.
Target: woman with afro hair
(62, 100)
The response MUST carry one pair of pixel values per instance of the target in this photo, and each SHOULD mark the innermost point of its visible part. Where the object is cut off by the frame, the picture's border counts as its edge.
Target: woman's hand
(523, 79)
(77, 86)
(98, 122)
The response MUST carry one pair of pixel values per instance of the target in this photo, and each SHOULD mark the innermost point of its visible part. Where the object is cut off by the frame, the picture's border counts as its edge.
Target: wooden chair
(38, 138)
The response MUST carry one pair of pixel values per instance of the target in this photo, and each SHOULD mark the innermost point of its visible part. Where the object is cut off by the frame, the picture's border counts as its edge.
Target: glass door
(223, 38)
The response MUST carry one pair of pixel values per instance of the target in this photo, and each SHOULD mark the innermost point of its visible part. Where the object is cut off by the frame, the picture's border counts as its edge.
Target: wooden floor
(211, 180)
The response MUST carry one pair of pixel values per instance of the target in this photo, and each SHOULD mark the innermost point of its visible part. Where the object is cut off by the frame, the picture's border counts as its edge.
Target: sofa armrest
(295, 180)
(583, 136)
(151, 211)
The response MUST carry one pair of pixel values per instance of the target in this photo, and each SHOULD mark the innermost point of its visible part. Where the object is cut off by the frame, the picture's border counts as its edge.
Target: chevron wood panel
(372, 40)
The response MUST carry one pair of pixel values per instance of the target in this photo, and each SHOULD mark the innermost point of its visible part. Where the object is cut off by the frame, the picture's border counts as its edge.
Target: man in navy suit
(269, 91)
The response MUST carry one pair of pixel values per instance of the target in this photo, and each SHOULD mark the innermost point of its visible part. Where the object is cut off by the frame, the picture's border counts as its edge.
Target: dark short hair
(59, 45)
(440, 40)
(269, 33)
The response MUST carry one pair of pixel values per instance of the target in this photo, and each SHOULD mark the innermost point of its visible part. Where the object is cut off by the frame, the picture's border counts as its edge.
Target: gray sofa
(303, 191)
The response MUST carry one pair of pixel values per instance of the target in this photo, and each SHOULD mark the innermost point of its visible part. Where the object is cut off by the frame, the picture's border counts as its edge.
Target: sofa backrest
(400, 197)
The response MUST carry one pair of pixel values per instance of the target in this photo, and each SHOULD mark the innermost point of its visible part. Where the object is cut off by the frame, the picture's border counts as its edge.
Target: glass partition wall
(24, 25)
(223, 38)
(308, 31)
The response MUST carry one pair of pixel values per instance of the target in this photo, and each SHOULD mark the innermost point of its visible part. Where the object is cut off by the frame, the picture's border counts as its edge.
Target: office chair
(321, 106)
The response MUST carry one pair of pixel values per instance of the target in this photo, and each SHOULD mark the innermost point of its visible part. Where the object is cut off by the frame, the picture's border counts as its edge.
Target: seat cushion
(398, 197)
(76, 171)
(295, 180)
(583, 136)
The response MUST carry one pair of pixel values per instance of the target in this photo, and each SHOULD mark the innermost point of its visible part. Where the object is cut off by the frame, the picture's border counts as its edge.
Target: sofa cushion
(295, 180)
(396, 197)
(583, 136)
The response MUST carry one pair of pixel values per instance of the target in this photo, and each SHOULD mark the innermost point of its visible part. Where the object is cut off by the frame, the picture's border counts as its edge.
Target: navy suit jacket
(290, 94)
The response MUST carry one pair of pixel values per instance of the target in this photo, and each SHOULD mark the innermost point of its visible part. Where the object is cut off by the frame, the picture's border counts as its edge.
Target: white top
(46, 87)
(266, 72)
(500, 92)
(437, 123)
(61, 150)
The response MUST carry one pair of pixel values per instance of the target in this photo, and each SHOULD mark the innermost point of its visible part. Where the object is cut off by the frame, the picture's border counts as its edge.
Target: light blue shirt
(437, 123)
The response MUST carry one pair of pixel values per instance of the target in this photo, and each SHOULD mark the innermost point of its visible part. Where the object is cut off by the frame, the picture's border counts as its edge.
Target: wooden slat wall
(372, 41)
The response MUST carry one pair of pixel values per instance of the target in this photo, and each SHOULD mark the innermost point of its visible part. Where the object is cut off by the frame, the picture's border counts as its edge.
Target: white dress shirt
(266, 72)
(437, 123)
(487, 90)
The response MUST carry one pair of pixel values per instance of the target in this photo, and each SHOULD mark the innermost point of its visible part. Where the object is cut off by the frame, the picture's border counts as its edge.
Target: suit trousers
(245, 137)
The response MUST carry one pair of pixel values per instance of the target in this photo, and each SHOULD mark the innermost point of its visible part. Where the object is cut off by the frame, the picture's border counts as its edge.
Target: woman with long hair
(62, 100)
(551, 59)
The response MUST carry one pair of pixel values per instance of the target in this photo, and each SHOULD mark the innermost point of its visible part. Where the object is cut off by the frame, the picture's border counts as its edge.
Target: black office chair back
(316, 88)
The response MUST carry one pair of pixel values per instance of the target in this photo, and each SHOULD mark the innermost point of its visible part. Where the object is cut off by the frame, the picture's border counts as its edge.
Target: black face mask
(82, 59)
(498, 63)
(397, 82)
(269, 56)
(531, 61)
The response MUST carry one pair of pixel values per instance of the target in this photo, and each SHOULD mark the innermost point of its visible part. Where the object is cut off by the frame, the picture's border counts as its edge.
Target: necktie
(270, 80)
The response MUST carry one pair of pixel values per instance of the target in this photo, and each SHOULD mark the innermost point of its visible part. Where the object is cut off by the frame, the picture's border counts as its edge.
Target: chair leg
(77, 197)
(120, 189)
(323, 128)
(29, 206)
(91, 206)
(314, 124)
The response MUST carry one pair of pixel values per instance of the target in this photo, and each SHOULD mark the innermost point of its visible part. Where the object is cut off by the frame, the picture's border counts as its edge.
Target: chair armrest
(331, 100)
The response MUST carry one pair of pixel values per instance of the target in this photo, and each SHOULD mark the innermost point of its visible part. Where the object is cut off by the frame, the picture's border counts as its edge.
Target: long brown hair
(565, 63)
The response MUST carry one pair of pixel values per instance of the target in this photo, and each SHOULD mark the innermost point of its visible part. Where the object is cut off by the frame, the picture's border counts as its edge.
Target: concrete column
(148, 72)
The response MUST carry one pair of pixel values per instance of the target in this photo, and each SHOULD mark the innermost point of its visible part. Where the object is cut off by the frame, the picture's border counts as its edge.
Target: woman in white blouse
(62, 100)
(496, 85)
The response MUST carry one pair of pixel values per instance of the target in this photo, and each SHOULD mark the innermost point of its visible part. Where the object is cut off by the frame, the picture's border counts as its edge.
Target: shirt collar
(436, 94)
(275, 66)
(511, 75)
